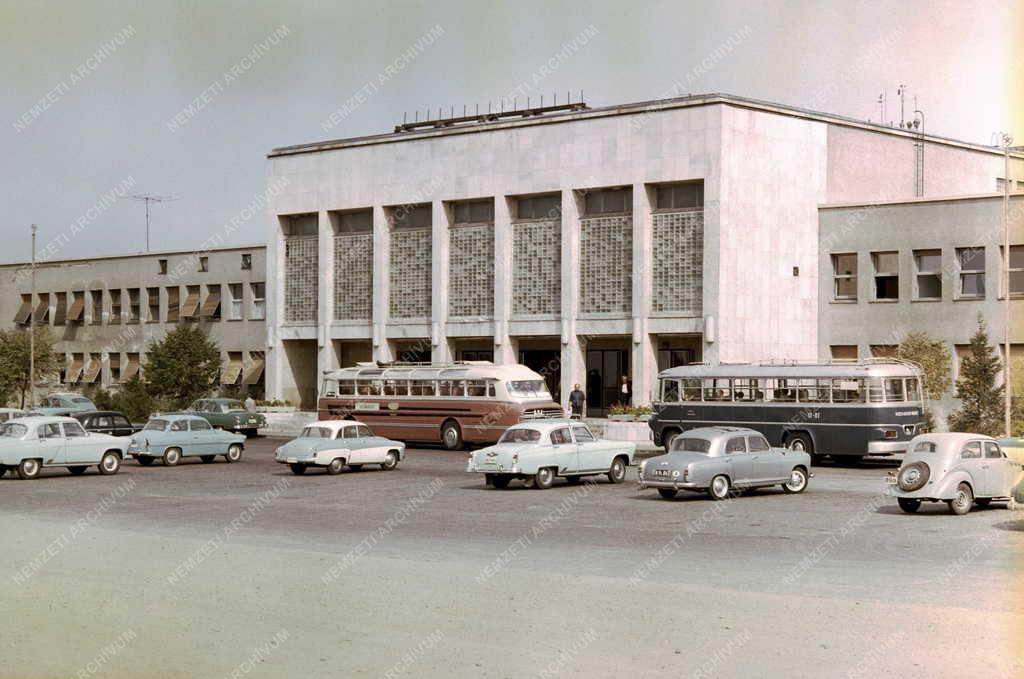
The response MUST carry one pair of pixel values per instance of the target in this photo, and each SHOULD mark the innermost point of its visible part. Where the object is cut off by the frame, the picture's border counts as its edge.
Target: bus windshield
(528, 389)
(691, 444)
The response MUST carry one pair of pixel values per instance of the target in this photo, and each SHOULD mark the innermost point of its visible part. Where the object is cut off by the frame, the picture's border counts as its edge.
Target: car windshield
(155, 425)
(232, 405)
(316, 433)
(529, 389)
(926, 447)
(691, 444)
(13, 430)
(520, 436)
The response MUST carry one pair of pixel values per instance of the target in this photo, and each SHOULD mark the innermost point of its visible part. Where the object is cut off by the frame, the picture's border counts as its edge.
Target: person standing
(250, 404)
(625, 393)
(577, 399)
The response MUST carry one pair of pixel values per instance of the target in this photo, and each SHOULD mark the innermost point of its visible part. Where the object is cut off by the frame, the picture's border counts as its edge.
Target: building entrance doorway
(605, 368)
(546, 362)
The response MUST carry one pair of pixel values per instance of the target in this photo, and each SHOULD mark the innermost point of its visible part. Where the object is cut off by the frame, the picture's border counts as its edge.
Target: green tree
(133, 399)
(981, 410)
(933, 357)
(183, 366)
(15, 361)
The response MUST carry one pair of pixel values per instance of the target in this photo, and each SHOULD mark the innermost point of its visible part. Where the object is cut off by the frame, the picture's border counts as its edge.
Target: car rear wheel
(144, 460)
(797, 481)
(234, 453)
(335, 466)
(110, 463)
(617, 473)
(668, 493)
(29, 469)
(298, 469)
(962, 500)
(543, 479)
(500, 481)
(171, 457)
(390, 461)
(719, 488)
(909, 504)
(77, 469)
(207, 458)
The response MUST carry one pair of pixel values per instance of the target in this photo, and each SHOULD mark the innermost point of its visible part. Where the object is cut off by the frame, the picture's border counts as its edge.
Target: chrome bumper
(887, 447)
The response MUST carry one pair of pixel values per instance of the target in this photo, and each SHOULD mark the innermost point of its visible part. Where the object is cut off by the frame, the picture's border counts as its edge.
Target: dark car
(106, 422)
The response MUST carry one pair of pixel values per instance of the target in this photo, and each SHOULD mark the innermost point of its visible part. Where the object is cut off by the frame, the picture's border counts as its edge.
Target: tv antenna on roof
(148, 198)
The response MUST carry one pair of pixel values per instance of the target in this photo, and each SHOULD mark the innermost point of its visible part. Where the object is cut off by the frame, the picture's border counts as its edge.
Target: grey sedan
(718, 459)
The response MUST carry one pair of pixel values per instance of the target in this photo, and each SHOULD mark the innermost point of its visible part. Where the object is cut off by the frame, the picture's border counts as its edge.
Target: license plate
(252, 420)
(292, 460)
(891, 480)
(661, 472)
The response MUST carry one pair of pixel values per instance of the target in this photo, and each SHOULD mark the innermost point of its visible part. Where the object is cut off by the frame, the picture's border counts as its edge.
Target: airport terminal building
(592, 244)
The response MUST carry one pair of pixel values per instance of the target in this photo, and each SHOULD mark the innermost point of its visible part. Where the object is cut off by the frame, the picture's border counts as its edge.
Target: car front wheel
(909, 504)
(171, 457)
(617, 473)
(390, 461)
(29, 469)
(234, 453)
(719, 488)
(797, 481)
(543, 479)
(962, 500)
(110, 463)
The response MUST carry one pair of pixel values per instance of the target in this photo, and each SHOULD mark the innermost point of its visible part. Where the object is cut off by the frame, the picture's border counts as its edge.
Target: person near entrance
(577, 400)
(625, 393)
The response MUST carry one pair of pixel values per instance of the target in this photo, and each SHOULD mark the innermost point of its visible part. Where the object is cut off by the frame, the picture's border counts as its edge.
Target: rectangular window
(355, 221)
(161, 265)
(844, 352)
(691, 389)
(884, 350)
(929, 274)
(77, 310)
(134, 305)
(42, 314)
(717, 389)
(972, 272)
(246, 262)
(97, 306)
(21, 318)
(114, 363)
(887, 275)
(60, 313)
(848, 390)
(115, 307)
(538, 207)
(153, 304)
(173, 305)
(473, 212)
(684, 196)
(204, 264)
(1017, 270)
(412, 217)
(235, 303)
(608, 201)
(844, 271)
(259, 301)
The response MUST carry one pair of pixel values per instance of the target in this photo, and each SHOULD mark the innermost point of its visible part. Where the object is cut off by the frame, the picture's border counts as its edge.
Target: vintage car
(228, 414)
(10, 414)
(717, 460)
(172, 437)
(106, 422)
(63, 404)
(27, 444)
(956, 468)
(335, 444)
(539, 450)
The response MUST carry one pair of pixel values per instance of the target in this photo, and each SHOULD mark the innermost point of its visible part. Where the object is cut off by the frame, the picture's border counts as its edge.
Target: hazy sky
(91, 90)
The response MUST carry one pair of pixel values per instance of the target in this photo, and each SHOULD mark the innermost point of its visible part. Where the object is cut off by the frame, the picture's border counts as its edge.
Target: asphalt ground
(231, 570)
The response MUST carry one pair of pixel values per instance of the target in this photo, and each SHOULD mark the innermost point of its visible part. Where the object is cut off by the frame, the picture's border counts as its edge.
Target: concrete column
(504, 352)
(326, 359)
(440, 349)
(643, 358)
(381, 284)
(275, 360)
(574, 367)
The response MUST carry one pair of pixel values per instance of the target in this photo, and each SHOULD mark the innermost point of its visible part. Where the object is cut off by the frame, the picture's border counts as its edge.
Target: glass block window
(677, 266)
(606, 264)
(537, 267)
(410, 273)
(353, 264)
(301, 276)
(471, 270)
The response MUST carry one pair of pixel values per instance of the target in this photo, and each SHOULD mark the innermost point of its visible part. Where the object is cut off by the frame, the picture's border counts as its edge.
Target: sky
(101, 100)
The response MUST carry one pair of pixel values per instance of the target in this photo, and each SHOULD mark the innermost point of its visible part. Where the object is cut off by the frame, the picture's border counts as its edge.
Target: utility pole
(1008, 388)
(32, 329)
(148, 198)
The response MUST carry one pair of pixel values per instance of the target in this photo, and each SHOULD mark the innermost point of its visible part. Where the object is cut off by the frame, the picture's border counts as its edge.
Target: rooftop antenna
(902, 91)
(148, 198)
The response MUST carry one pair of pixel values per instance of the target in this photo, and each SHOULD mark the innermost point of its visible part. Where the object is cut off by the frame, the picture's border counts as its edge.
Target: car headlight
(643, 467)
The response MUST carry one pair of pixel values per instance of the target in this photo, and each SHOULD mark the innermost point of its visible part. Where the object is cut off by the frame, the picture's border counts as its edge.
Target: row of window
(203, 264)
(790, 390)
(137, 305)
(593, 203)
(967, 270)
(88, 368)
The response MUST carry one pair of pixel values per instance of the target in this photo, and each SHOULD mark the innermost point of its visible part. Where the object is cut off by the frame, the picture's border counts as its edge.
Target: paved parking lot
(247, 570)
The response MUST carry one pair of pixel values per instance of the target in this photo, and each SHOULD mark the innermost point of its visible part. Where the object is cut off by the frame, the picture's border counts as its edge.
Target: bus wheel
(801, 442)
(667, 437)
(451, 435)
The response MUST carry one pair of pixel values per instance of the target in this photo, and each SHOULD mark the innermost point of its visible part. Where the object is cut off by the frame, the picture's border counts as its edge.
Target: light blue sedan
(172, 437)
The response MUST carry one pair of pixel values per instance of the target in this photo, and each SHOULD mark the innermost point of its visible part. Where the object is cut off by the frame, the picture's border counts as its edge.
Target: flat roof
(1014, 195)
(40, 264)
(687, 101)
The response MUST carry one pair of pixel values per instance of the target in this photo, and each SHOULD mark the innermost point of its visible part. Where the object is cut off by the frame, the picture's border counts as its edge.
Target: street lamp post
(32, 329)
(1008, 389)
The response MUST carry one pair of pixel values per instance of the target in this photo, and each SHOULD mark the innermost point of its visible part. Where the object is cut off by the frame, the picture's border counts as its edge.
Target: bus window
(847, 391)
(746, 390)
(347, 388)
(490, 390)
(422, 388)
(875, 394)
(894, 390)
(691, 389)
(670, 391)
(811, 390)
(369, 387)
(913, 393)
(784, 391)
(396, 388)
(477, 388)
(717, 389)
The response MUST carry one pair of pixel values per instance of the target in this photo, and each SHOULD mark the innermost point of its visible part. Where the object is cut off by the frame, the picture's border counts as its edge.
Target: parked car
(334, 444)
(717, 460)
(28, 444)
(956, 468)
(63, 404)
(172, 437)
(106, 422)
(229, 414)
(537, 451)
(10, 414)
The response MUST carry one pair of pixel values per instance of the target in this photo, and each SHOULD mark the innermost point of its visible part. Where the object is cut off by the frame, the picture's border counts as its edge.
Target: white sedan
(538, 451)
(27, 444)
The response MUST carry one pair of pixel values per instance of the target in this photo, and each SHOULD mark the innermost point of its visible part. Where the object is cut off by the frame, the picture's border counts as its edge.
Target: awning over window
(77, 307)
(60, 314)
(42, 310)
(255, 373)
(211, 305)
(93, 371)
(233, 370)
(21, 318)
(132, 369)
(75, 371)
(191, 306)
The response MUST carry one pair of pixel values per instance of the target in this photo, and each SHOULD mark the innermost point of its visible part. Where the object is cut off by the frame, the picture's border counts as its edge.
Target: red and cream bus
(450, 403)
